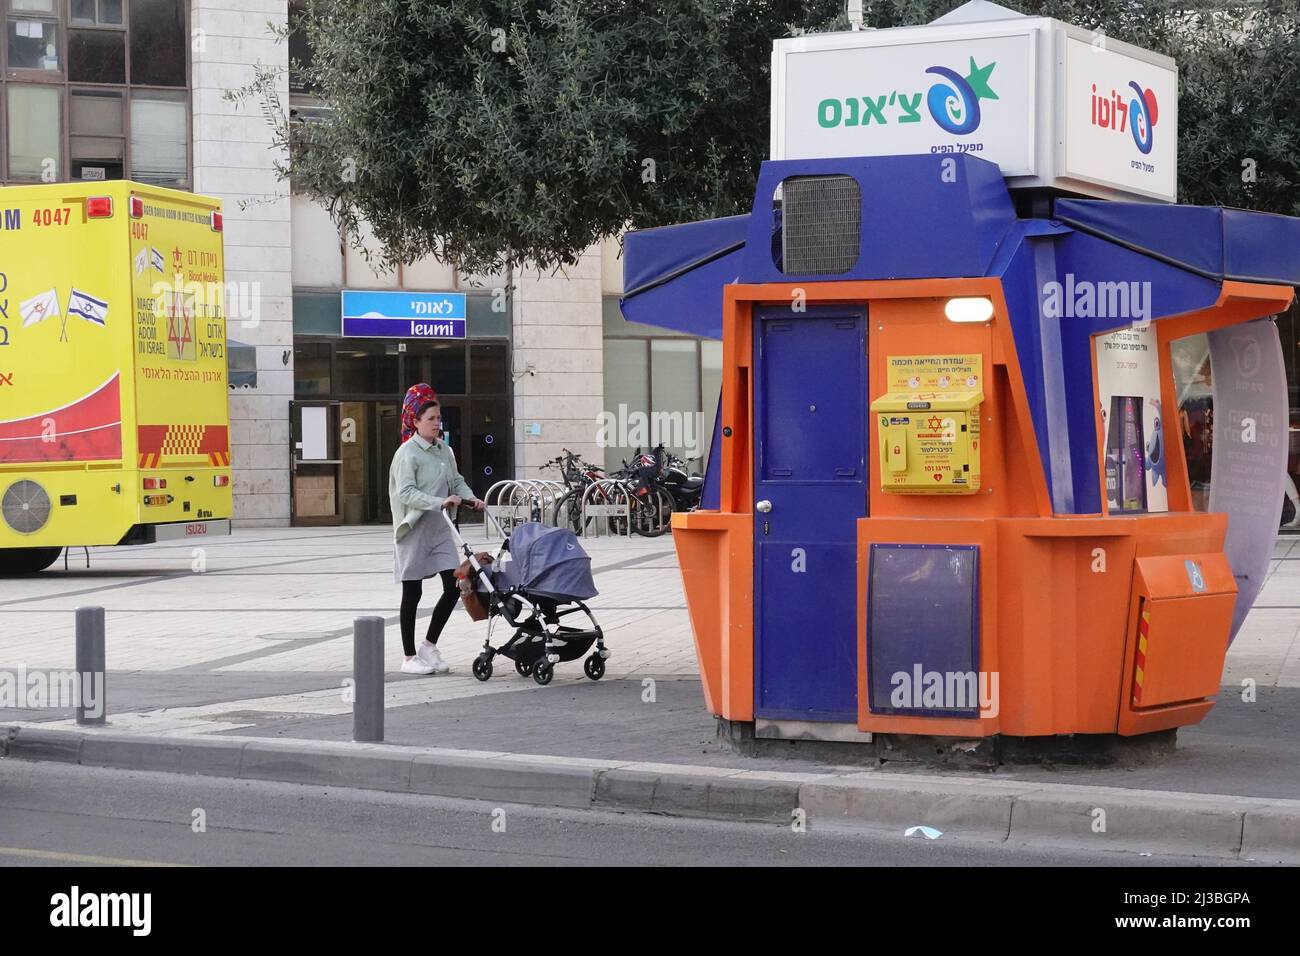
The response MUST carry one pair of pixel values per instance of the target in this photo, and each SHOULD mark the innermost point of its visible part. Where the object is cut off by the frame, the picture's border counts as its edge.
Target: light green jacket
(422, 476)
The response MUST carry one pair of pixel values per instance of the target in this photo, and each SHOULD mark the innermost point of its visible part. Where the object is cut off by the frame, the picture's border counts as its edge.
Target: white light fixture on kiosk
(977, 309)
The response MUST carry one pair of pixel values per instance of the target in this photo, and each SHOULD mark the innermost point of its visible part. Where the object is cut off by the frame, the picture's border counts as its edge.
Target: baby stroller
(545, 579)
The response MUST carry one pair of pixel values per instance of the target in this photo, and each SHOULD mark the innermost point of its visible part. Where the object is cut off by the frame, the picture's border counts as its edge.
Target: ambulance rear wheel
(18, 561)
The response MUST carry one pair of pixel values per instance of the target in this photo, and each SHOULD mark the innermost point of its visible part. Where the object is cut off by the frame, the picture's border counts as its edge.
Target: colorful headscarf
(416, 396)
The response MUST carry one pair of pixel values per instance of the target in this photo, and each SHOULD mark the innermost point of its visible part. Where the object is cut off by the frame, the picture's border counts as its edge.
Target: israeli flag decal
(88, 307)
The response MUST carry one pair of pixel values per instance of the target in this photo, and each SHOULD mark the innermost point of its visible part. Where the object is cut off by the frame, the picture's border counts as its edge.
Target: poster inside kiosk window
(1132, 421)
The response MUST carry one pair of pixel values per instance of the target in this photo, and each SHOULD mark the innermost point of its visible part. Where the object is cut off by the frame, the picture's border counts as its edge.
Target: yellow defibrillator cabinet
(929, 425)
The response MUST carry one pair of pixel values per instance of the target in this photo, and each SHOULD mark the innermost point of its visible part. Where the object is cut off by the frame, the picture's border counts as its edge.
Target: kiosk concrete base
(829, 743)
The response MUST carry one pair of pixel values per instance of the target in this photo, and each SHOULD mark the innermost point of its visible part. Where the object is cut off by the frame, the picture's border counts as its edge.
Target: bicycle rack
(538, 496)
(499, 502)
(611, 490)
(513, 501)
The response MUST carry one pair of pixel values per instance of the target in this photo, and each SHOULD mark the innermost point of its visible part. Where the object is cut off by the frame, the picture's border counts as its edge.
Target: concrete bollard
(90, 665)
(368, 677)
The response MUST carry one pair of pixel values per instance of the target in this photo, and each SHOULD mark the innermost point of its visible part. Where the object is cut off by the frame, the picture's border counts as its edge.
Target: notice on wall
(1132, 421)
(926, 374)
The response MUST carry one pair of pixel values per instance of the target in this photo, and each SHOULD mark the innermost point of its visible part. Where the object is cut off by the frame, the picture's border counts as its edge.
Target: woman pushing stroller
(423, 479)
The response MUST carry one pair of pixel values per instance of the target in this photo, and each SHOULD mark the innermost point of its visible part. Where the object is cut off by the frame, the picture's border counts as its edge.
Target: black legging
(411, 594)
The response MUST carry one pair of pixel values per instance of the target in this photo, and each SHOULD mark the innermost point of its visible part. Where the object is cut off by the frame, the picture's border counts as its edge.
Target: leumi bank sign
(1051, 104)
(405, 315)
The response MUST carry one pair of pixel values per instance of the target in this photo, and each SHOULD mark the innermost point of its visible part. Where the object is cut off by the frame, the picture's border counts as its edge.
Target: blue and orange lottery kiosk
(948, 493)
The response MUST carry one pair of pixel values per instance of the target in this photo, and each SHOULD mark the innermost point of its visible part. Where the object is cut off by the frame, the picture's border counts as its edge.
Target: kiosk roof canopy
(915, 224)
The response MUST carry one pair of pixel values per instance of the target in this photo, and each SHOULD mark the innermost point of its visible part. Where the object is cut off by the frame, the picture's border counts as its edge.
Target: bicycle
(650, 505)
(578, 476)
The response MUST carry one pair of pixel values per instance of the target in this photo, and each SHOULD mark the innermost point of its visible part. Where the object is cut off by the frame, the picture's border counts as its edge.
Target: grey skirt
(426, 550)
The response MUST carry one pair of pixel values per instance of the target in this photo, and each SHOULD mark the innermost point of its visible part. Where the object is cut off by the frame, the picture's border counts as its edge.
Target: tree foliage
(508, 131)
(527, 130)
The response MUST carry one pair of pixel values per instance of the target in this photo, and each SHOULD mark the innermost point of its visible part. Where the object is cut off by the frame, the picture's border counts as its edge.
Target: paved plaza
(259, 621)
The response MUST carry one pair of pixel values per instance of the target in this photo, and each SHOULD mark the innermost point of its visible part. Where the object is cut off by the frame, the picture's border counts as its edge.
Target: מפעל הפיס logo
(955, 106)
(1139, 115)
(953, 103)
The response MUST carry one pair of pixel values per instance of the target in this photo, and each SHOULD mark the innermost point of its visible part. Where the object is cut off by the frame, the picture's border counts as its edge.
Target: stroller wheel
(523, 669)
(482, 667)
(594, 666)
(543, 671)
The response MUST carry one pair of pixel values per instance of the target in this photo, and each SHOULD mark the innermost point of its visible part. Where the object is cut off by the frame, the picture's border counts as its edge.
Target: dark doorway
(368, 378)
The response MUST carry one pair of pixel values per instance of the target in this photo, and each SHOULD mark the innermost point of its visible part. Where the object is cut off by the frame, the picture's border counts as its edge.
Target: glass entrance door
(387, 435)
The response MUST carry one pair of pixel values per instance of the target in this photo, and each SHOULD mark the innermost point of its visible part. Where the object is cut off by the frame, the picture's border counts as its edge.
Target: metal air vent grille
(821, 225)
(26, 507)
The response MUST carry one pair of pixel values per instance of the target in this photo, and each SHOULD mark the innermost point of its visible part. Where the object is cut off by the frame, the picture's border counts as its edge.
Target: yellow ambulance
(114, 403)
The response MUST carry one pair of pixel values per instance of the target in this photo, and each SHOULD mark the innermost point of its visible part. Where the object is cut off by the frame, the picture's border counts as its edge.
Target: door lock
(764, 506)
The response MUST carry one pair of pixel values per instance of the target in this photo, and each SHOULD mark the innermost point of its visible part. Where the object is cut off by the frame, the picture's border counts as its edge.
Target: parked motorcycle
(685, 487)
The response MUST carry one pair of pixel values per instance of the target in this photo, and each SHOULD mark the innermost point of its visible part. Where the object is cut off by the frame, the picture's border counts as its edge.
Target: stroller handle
(455, 532)
(466, 550)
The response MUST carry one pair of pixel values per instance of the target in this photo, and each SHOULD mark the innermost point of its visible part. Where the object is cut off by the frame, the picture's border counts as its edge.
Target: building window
(660, 386)
(95, 89)
(158, 139)
(440, 362)
(367, 367)
(97, 56)
(34, 141)
(158, 47)
(96, 140)
(311, 369)
(33, 32)
(300, 56)
(97, 12)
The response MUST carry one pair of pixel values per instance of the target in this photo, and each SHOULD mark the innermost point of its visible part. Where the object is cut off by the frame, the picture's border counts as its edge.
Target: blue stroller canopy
(548, 562)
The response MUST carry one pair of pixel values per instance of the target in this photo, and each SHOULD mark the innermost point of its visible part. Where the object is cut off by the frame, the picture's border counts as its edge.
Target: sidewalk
(259, 648)
(283, 601)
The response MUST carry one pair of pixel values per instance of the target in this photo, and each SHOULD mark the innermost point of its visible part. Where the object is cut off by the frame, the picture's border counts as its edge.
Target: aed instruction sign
(935, 373)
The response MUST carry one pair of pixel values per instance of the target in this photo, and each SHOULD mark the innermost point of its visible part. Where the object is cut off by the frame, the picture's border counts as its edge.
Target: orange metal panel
(1182, 633)
(1063, 655)
(1182, 650)
(716, 555)
(1238, 302)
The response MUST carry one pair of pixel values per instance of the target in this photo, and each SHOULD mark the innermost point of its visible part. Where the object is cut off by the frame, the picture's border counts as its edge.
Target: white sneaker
(416, 666)
(428, 654)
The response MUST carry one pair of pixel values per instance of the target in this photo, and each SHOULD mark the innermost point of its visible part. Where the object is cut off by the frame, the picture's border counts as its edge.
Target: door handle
(764, 506)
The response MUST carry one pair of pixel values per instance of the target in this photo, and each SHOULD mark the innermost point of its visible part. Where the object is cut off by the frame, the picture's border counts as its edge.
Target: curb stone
(1222, 826)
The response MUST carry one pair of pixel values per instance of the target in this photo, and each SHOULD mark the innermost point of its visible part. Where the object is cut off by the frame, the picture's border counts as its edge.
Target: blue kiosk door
(810, 481)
